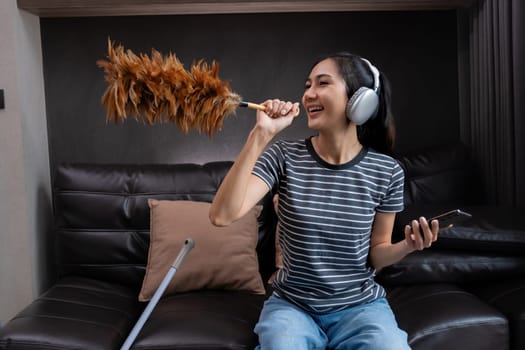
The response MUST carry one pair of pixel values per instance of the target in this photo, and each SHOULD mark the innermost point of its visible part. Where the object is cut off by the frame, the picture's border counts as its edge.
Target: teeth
(315, 108)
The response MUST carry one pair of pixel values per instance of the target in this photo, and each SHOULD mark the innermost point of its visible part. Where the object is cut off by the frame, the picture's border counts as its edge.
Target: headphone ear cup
(362, 105)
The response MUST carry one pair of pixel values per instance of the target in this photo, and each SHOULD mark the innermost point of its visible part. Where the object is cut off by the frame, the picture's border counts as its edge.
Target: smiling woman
(338, 197)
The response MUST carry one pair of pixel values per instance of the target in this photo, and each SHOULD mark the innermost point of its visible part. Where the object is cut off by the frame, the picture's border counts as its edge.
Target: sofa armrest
(492, 229)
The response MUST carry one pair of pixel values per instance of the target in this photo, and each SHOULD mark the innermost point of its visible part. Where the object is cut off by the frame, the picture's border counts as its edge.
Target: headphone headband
(375, 74)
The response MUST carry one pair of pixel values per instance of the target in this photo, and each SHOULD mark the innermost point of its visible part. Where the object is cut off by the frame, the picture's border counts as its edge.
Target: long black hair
(378, 132)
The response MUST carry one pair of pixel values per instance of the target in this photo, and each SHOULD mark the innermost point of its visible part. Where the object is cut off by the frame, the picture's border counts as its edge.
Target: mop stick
(188, 245)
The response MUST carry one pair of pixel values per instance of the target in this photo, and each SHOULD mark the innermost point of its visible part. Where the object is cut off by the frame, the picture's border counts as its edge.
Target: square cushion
(223, 257)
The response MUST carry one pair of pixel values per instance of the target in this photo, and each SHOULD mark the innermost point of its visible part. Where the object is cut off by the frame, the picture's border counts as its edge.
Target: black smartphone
(451, 217)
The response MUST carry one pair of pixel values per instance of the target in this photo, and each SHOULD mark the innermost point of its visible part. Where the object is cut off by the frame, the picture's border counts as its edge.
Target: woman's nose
(309, 93)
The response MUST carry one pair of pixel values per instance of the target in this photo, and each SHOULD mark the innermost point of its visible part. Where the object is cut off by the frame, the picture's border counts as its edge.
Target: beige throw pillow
(223, 257)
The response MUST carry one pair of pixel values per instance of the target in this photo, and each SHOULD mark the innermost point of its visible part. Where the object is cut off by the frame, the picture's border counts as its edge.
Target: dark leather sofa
(466, 292)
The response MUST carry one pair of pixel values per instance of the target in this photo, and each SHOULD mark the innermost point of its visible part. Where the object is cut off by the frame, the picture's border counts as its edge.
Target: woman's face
(325, 96)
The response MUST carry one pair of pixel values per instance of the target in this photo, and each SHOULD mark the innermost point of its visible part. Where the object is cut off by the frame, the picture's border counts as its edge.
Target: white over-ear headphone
(364, 102)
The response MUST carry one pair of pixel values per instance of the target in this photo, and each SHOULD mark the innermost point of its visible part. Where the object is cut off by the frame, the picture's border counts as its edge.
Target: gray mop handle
(188, 245)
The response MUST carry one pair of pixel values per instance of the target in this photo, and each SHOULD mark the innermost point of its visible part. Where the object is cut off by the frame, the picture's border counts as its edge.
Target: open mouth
(313, 109)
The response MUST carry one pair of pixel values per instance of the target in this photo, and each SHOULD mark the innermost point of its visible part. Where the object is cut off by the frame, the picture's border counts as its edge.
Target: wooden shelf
(85, 8)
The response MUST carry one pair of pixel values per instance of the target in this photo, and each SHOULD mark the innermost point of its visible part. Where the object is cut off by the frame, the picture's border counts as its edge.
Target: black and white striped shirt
(326, 213)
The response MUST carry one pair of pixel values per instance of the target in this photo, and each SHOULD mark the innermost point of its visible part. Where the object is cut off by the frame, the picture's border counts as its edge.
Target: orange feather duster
(159, 89)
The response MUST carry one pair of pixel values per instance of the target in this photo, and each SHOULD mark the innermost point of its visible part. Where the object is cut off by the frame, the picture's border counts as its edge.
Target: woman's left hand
(420, 235)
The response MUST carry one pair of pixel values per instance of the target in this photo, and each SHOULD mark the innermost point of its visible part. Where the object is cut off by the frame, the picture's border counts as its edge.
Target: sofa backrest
(101, 215)
(440, 176)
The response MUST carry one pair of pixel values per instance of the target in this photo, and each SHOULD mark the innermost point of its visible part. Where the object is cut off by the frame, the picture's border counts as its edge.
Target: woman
(339, 192)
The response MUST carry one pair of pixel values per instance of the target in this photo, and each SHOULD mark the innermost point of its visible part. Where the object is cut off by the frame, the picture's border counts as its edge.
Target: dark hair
(378, 132)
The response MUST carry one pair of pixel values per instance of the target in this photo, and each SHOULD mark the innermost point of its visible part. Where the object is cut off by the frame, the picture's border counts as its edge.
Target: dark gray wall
(263, 56)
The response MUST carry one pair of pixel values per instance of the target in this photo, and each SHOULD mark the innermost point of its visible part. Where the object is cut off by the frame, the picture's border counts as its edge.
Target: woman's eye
(323, 83)
(307, 86)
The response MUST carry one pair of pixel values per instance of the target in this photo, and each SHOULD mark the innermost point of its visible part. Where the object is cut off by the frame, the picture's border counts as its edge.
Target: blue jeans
(372, 326)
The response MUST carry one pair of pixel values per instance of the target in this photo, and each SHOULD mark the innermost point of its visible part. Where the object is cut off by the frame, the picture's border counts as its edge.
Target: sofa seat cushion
(452, 316)
(207, 319)
(509, 298)
(76, 313)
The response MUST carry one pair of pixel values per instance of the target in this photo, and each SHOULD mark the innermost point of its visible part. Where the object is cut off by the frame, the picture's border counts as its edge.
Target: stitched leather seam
(448, 327)
(73, 320)
(88, 305)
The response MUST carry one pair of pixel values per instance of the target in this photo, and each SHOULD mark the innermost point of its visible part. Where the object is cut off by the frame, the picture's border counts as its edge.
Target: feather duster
(158, 88)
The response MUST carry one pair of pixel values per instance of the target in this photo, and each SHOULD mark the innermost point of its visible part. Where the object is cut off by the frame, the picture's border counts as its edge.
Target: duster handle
(260, 107)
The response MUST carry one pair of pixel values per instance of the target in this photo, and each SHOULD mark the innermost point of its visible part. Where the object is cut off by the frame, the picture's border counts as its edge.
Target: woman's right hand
(277, 116)
(240, 190)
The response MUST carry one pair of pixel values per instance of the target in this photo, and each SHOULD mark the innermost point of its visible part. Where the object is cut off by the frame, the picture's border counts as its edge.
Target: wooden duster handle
(261, 107)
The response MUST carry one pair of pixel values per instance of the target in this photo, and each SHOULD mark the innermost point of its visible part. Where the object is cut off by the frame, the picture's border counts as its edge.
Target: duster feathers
(159, 89)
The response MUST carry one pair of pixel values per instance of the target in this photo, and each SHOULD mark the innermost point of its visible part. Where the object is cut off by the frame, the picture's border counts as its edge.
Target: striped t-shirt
(326, 213)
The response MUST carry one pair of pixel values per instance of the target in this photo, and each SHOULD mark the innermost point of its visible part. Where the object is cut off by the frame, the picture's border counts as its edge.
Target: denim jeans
(372, 326)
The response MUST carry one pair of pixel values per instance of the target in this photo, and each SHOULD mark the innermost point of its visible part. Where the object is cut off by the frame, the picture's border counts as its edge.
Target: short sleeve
(269, 167)
(392, 202)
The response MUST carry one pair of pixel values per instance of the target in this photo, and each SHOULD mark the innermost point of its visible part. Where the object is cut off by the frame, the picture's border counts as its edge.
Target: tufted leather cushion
(207, 319)
(509, 297)
(441, 175)
(102, 215)
(75, 313)
(450, 313)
